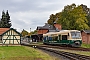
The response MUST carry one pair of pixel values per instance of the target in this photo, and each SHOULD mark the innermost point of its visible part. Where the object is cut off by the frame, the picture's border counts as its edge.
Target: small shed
(85, 36)
(9, 36)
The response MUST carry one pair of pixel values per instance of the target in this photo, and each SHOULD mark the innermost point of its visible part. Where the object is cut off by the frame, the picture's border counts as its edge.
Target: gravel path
(57, 57)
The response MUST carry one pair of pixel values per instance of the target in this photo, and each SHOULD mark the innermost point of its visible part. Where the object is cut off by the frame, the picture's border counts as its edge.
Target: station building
(45, 29)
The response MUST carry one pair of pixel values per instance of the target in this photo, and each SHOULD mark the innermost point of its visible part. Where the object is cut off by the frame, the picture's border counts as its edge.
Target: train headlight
(77, 42)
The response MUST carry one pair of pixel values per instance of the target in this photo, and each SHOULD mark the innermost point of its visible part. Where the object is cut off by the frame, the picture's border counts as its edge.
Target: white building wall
(11, 37)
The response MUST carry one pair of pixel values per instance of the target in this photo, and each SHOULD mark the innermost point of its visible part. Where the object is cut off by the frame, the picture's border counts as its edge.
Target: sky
(26, 14)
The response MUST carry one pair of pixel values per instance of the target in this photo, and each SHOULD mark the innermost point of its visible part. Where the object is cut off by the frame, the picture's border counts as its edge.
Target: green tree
(5, 20)
(67, 17)
(8, 20)
(80, 19)
(2, 24)
(24, 33)
(32, 32)
(51, 19)
(87, 11)
(35, 32)
(73, 17)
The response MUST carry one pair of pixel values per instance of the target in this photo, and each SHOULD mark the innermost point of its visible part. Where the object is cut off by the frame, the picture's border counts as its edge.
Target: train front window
(75, 35)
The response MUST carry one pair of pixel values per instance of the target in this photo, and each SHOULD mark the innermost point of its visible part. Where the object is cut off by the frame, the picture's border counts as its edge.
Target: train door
(45, 39)
(64, 39)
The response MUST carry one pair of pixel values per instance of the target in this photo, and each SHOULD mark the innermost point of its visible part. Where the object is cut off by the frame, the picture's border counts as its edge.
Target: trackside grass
(87, 53)
(86, 45)
(23, 53)
(80, 52)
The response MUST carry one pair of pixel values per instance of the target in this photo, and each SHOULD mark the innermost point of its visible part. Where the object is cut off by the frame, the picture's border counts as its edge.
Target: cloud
(29, 19)
(26, 14)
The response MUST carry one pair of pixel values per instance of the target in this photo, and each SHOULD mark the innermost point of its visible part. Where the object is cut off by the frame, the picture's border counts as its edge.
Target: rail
(69, 55)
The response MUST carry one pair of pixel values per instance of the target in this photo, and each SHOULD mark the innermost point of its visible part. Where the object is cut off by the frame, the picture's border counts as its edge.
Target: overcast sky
(26, 14)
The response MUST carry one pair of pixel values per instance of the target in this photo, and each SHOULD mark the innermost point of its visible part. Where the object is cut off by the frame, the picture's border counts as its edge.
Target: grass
(85, 45)
(87, 53)
(80, 52)
(23, 53)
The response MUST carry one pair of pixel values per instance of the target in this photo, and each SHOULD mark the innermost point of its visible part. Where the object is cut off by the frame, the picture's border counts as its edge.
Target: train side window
(55, 38)
(59, 37)
(50, 38)
(64, 37)
(68, 34)
(46, 37)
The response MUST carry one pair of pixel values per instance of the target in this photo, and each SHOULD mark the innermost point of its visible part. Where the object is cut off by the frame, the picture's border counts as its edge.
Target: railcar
(64, 37)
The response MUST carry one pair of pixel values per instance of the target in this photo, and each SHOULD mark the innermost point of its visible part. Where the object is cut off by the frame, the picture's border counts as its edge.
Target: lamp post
(30, 30)
(30, 35)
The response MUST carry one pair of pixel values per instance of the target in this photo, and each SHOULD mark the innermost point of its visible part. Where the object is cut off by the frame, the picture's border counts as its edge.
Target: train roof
(49, 33)
(61, 31)
(67, 30)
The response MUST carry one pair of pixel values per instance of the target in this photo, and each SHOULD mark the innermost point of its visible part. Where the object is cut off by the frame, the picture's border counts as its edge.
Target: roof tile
(2, 30)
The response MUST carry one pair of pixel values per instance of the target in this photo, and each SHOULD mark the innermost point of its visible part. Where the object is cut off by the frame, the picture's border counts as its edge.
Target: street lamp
(30, 30)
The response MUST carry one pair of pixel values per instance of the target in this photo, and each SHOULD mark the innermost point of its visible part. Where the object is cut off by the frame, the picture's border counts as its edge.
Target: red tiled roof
(2, 30)
(42, 31)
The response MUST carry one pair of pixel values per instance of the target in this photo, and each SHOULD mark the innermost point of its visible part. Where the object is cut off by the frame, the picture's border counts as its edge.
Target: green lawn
(22, 53)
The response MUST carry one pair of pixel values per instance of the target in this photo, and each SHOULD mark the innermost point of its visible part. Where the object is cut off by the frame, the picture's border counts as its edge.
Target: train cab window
(64, 37)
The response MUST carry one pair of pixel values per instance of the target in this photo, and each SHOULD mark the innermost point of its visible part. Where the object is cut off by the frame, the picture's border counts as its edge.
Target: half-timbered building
(9, 36)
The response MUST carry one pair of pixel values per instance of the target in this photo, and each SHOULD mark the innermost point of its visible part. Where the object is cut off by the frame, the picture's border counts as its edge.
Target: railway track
(71, 48)
(71, 56)
(59, 47)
